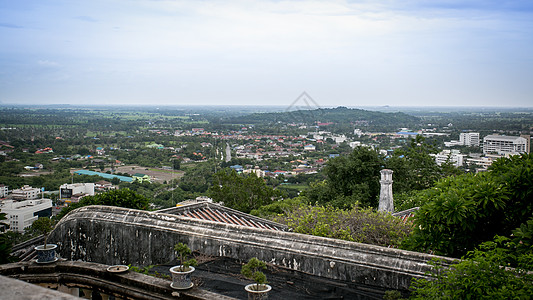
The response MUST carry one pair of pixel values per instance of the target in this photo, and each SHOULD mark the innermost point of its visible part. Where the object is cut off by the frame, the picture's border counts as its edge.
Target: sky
(210, 52)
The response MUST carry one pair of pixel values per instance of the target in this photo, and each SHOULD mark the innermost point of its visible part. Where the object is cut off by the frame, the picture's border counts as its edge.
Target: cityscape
(266, 149)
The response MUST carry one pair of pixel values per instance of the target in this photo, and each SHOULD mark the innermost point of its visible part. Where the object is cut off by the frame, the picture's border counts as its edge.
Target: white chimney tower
(386, 203)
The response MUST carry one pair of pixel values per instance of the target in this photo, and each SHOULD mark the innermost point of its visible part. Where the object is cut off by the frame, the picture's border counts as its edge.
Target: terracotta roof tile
(218, 213)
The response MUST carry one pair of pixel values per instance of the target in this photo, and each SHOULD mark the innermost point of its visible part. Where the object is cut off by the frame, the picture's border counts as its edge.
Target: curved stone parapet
(114, 235)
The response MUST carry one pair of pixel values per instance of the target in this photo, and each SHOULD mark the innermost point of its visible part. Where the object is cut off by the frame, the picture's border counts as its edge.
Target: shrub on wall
(123, 198)
(355, 224)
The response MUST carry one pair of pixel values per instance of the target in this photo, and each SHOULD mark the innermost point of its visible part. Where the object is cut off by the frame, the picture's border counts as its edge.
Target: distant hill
(339, 115)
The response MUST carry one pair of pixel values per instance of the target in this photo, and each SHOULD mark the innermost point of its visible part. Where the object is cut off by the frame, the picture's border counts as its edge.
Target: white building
(453, 156)
(258, 172)
(465, 139)
(3, 191)
(339, 139)
(483, 163)
(309, 147)
(21, 214)
(355, 144)
(504, 145)
(76, 190)
(104, 186)
(469, 139)
(453, 143)
(25, 193)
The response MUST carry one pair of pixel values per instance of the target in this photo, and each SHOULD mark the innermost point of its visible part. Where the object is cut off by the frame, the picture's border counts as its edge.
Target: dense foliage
(498, 269)
(123, 198)
(355, 224)
(414, 167)
(461, 212)
(355, 177)
(5, 242)
(340, 115)
(240, 192)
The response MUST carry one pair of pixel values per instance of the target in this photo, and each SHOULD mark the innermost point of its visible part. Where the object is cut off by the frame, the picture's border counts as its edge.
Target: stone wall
(114, 235)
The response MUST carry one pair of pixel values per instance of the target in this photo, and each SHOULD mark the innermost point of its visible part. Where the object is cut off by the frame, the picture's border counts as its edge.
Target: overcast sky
(351, 53)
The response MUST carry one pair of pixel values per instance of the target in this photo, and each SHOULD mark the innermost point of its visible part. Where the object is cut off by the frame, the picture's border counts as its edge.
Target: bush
(498, 269)
(123, 198)
(460, 213)
(183, 251)
(356, 224)
(278, 208)
(251, 270)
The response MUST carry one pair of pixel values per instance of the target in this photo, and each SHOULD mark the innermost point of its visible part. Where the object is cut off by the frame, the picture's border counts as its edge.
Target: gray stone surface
(113, 235)
(20, 290)
(89, 276)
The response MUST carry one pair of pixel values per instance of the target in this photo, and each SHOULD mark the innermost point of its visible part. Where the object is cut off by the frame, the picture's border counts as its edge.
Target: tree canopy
(461, 212)
(483, 274)
(242, 193)
(122, 197)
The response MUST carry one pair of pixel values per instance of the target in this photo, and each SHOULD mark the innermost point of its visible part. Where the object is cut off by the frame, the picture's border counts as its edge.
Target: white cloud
(47, 63)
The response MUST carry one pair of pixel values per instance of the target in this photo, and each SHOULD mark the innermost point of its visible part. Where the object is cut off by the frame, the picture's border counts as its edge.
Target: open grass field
(157, 175)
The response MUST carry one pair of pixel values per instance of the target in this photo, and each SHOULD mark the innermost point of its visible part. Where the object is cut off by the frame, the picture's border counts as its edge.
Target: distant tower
(386, 202)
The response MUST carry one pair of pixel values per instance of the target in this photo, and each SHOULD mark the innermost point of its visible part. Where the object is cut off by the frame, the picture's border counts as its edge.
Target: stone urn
(46, 254)
(257, 291)
(181, 280)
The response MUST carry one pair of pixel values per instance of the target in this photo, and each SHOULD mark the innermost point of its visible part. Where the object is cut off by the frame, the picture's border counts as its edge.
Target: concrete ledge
(20, 290)
(114, 235)
(94, 276)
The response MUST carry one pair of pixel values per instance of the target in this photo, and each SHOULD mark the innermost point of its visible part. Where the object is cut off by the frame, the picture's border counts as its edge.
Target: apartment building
(3, 191)
(465, 139)
(469, 139)
(76, 190)
(21, 214)
(505, 145)
(453, 156)
(26, 193)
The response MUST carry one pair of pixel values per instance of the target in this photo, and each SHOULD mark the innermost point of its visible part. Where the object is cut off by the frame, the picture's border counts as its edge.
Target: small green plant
(392, 295)
(251, 270)
(142, 270)
(43, 225)
(183, 252)
(146, 271)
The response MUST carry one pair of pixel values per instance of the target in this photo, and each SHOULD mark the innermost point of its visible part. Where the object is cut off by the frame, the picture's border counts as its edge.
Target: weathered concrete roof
(20, 290)
(217, 213)
(93, 276)
(114, 235)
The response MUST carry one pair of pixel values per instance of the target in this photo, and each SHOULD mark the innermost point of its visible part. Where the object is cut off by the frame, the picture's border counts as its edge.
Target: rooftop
(217, 213)
(502, 137)
(215, 278)
(104, 175)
